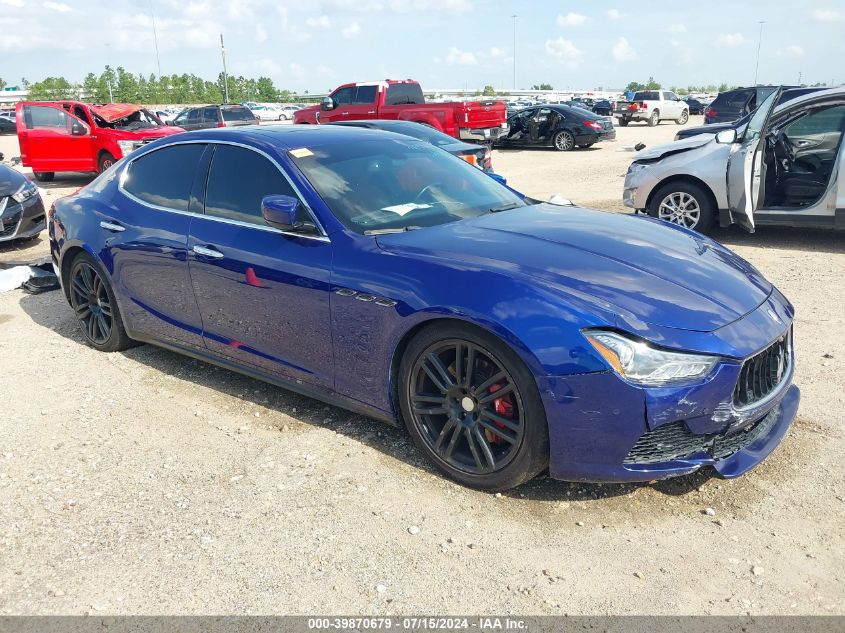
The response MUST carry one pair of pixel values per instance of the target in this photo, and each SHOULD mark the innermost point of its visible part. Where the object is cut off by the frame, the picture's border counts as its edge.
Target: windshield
(755, 125)
(140, 120)
(392, 184)
(422, 132)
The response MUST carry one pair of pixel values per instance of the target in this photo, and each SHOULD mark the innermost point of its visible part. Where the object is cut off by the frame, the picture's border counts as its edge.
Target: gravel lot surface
(143, 482)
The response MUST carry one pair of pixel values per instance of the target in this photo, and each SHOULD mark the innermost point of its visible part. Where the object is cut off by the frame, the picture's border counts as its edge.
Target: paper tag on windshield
(302, 152)
(402, 209)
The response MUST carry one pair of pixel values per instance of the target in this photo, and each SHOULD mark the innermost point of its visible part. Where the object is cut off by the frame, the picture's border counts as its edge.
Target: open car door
(745, 166)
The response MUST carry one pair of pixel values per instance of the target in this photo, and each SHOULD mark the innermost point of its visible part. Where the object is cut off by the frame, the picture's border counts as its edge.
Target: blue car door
(145, 238)
(263, 294)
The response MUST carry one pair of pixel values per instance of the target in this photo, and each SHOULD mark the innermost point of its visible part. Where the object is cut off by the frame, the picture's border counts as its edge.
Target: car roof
(821, 95)
(283, 137)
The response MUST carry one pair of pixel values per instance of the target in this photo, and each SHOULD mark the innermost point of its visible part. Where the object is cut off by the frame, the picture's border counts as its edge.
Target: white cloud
(794, 51)
(460, 58)
(827, 15)
(677, 28)
(351, 31)
(403, 6)
(684, 51)
(571, 19)
(60, 7)
(730, 40)
(321, 21)
(12, 3)
(623, 51)
(613, 14)
(564, 51)
(297, 70)
(260, 34)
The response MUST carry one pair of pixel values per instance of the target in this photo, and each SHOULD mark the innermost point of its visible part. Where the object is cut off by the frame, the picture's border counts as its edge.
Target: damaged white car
(781, 168)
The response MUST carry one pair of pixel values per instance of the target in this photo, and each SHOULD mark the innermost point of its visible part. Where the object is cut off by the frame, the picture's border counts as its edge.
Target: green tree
(489, 91)
(542, 87)
(2, 83)
(723, 87)
(53, 89)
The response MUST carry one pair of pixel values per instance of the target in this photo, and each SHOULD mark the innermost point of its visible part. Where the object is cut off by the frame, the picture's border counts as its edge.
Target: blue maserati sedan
(379, 273)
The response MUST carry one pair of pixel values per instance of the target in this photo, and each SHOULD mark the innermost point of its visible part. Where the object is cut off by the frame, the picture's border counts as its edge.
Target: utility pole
(759, 42)
(799, 77)
(514, 50)
(155, 38)
(225, 75)
(111, 95)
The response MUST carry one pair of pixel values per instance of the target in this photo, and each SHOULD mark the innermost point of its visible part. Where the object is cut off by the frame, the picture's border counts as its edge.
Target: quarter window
(164, 177)
(237, 181)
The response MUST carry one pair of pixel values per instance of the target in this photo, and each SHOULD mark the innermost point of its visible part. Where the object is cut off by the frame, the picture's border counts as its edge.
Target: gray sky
(317, 44)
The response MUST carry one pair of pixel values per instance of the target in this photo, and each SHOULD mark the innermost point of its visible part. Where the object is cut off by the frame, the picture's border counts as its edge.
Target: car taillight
(221, 124)
(634, 106)
(488, 158)
(471, 159)
(593, 125)
(710, 112)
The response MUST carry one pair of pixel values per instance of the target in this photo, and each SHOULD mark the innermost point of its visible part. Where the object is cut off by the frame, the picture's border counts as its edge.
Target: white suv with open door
(784, 167)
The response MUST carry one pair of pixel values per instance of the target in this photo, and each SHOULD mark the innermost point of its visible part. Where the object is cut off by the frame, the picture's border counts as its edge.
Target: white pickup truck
(652, 106)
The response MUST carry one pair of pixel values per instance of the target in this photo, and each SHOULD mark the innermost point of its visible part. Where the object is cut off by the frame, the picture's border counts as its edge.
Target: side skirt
(331, 398)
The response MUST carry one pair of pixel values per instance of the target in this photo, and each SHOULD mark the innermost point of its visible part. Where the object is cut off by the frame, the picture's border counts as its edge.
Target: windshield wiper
(389, 231)
(505, 207)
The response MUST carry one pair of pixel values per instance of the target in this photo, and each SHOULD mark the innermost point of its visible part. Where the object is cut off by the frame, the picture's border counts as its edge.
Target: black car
(695, 106)
(7, 123)
(735, 104)
(604, 107)
(715, 128)
(562, 127)
(478, 155)
(21, 208)
(226, 115)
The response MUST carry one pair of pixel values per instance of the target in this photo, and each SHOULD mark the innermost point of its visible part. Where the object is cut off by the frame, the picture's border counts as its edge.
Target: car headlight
(127, 147)
(637, 361)
(636, 167)
(25, 192)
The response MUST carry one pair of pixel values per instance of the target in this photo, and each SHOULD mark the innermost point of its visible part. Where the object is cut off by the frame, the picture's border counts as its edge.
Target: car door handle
(207, 252)
(344, 114)
(111, 226)
(371, 111)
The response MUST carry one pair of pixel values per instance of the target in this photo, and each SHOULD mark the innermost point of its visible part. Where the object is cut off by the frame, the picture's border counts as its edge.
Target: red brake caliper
(503, 407)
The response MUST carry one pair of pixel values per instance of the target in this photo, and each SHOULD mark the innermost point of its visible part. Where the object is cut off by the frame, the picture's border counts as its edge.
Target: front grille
(675, 441)
(763, 373)
(10, 224)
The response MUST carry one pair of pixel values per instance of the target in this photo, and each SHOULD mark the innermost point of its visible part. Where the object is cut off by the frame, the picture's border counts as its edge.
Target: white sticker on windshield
(302, 152)
(403, 209)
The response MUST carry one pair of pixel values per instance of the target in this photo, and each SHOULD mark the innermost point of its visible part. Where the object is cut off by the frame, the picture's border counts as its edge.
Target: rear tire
(682, 120)
(44, 176)
(623, 122)
(654, 119)
(94, 306)
(455, 420)
(563, 141)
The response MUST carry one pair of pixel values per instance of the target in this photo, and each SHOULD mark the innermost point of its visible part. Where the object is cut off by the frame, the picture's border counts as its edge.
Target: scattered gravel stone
(757, 570)
(640, 575)
(579, 523)
(709, 512)
(381, 588)
(413, 530)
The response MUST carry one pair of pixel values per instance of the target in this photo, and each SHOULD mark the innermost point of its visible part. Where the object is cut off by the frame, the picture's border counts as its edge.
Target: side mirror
(726, 137)
(327, 104)
(78, 129)
(280, 212)
(498, 178)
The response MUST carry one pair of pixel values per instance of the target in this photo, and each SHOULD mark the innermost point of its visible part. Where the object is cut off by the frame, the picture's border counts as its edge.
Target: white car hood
(674, 147)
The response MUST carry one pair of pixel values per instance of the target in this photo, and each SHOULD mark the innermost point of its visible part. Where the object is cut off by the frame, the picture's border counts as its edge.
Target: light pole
(225, 74)
(759, 42)
(514, 50)
(155, 38)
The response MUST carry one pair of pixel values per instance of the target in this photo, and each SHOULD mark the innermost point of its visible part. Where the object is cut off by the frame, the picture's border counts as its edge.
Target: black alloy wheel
(468, 406)
(94, 306)
(106, 161)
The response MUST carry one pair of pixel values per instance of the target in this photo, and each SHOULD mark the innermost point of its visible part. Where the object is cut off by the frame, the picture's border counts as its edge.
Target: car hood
(675, 147)
(10, 180)
(145, 133)
(626, 267)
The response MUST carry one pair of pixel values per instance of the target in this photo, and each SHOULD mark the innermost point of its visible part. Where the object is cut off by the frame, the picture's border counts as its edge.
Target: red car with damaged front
(481, 120)
(76, 136)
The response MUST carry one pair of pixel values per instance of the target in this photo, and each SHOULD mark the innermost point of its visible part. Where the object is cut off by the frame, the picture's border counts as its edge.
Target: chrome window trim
(322, 237)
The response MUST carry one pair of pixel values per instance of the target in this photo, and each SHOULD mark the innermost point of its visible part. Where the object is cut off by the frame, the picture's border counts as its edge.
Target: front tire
(654, 119)
(472, 407)
(682, 120)
(685, 204)
(44, 176)
(106, 161)
(623, 122)
(95, 307)
(563, 141)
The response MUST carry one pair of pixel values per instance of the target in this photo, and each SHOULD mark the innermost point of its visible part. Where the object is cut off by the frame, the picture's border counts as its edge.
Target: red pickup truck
(75, 136)
(482, 121)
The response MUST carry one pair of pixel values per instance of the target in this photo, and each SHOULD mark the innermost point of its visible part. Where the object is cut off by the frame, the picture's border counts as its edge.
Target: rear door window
(209, 115)
(403, 94)
(237, 181)
(164, 177)
(366, 95)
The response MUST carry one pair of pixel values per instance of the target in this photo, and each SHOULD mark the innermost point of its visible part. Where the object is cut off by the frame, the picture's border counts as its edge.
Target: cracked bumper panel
(20, 221)
(630, 434)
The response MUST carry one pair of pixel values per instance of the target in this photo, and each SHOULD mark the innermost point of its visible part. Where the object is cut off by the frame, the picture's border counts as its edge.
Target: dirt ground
(144, 482)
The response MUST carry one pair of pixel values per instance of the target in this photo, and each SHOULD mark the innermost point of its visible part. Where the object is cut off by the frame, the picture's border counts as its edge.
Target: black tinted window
(648, 95)
(366, 94)
(209, 114)
(239, 178)
(733, 99)
(194, 115)
(164, 177)
(399, 94)
(237, 113)
(344, 96)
